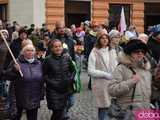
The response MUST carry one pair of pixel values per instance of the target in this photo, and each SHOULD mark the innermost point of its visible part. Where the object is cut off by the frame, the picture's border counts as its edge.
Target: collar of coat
(23, 60)
(126, 60)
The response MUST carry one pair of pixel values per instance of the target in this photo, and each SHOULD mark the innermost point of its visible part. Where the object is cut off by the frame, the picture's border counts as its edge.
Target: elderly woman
(115, 38)
(28, 88)
(102, 61)
(59, 80)
(133, 73)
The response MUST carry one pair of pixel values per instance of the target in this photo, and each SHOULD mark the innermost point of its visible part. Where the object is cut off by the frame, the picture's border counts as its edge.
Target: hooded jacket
(122, 85)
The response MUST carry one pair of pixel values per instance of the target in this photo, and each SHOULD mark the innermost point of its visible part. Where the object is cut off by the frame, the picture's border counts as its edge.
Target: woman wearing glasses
(132, 73)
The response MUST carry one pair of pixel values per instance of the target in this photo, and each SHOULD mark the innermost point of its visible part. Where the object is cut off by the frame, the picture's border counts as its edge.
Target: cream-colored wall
(21, 11)
(26, 12)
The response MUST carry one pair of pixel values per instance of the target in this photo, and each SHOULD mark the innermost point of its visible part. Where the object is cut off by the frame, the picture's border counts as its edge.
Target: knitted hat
(101, 33)
(133, 45)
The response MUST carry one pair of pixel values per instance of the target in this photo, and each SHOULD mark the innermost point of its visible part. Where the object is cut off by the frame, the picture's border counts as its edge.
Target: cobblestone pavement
(84, 108)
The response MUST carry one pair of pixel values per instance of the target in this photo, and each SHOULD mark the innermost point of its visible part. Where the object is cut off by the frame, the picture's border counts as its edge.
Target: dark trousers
(58, 115)
(31, 114)
(89, 83)
(103, 114)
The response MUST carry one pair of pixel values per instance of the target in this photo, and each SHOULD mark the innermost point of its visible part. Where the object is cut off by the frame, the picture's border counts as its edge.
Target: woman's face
(57, 48)
(138, 55)
(104, 41)
(115, 40)
(23, 36)
(29, 53)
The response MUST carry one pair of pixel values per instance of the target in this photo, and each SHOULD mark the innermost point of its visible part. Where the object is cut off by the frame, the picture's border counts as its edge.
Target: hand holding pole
(5, 41)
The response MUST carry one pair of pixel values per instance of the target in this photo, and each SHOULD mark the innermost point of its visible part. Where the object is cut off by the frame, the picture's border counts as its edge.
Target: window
(3, 12)
(115, 12)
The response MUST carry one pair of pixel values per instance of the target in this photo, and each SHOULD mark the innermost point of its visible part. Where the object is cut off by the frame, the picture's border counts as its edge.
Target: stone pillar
(39, 12)
(100, 11)
(26, 12)
(54, 12)
(138, 16)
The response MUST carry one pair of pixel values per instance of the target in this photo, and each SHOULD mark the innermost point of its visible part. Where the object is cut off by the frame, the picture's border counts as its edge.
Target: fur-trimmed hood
(126, 60)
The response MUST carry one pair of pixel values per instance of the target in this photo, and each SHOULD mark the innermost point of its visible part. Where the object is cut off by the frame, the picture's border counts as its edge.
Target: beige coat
(100, 65)
(122, 85)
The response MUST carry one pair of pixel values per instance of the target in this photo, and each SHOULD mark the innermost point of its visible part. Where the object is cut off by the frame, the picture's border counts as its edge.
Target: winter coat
(156, 84)
(100, 65)
(3, 53)
(58, 79)
(122, 85)
(89, 41)
(29, 88)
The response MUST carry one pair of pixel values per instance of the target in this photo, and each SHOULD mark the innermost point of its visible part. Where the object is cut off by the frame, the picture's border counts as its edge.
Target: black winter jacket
(59, 80)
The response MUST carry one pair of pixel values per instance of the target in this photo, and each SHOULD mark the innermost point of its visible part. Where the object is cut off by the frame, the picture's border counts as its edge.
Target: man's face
(60, 30)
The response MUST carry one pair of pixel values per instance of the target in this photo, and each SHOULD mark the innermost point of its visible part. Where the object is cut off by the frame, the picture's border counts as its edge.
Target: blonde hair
(26, 42)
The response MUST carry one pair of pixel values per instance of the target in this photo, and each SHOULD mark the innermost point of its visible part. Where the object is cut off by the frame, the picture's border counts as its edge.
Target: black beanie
(133, 45)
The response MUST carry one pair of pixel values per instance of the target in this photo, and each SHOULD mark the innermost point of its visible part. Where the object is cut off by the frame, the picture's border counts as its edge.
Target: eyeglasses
(116, 37)
(139, 51)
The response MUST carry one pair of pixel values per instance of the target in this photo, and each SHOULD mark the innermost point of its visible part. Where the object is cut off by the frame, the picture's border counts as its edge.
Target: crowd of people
(118, 65)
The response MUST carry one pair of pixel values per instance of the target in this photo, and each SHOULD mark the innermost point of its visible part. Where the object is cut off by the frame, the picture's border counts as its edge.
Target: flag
(122, 24)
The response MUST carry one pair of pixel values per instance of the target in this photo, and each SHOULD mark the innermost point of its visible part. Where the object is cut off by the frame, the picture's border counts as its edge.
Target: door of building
(77, 12)
(115, 12)
(152, 14)
(3, 12)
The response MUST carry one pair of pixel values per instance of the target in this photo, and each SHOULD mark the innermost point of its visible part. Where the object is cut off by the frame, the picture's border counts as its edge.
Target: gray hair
(27, 47)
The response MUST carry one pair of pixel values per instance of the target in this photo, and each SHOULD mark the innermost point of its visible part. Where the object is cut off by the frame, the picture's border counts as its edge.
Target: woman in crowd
(132, 75)
(28, 88)
(102, 61)
(115, 38)
(154, 45)
(59, 80)
(155, 97)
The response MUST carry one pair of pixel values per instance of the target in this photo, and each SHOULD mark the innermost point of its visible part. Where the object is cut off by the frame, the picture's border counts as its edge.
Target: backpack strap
(133, 93)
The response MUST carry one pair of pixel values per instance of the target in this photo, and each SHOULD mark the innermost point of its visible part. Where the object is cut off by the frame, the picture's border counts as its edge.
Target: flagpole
(123, 25)
(5, 41)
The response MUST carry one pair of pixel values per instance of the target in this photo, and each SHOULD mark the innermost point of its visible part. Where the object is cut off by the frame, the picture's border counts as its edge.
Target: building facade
(138, 12)
(99, 10)
(25, 12)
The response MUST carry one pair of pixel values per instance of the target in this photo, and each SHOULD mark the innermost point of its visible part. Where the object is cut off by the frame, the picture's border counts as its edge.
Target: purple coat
(29, 88)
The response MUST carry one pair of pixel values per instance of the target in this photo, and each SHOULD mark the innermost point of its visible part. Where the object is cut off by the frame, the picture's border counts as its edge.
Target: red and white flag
(122, 24)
